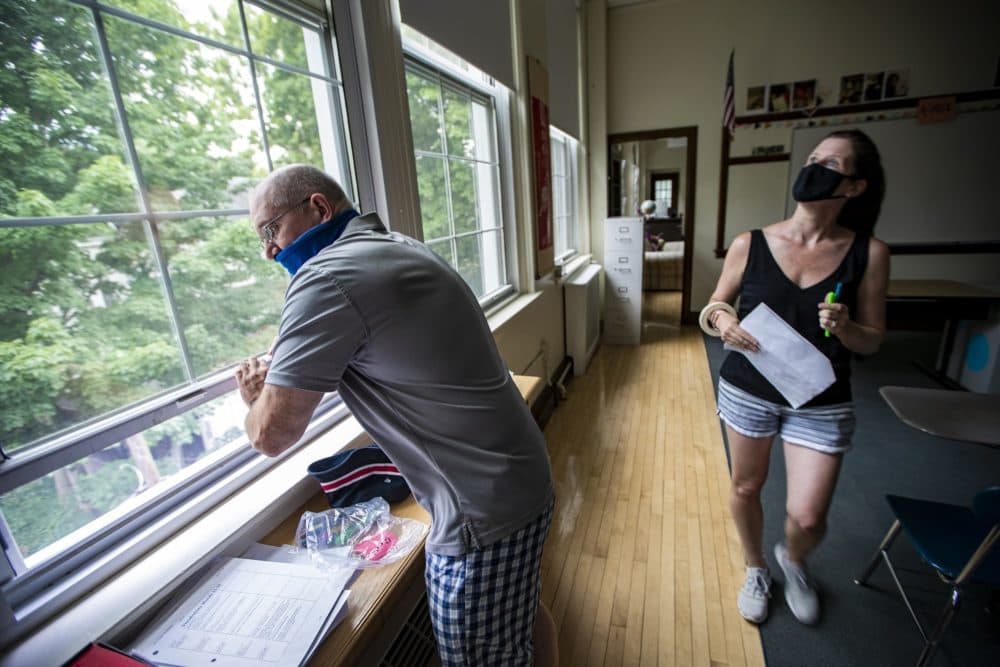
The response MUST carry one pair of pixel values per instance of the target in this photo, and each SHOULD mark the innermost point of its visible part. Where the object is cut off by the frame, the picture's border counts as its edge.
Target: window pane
(202, 17)
(295, 108)
(228, 297)
(60, 152)
(444, 250)
(83, 327)
(286, 41)
(469, 264)
(463, 195)
(491, 247)
(192, 113)
(433, 197)
(469, 127)
(483, 131)
(425, 112)
(458, 124)
(89, 493)
(488, 195)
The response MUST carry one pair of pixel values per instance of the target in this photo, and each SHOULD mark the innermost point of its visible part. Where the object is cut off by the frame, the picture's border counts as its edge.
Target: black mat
(870, 625)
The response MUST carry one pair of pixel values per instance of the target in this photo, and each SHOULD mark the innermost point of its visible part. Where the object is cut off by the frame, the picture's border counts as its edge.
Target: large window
(454, 120)
(565, 216)
(132, 279)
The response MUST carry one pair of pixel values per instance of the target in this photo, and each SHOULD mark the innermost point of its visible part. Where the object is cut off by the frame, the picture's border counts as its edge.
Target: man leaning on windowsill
(383, 320)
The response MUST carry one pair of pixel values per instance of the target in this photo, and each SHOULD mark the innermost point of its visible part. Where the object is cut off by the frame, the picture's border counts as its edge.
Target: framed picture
(851, 88)
(778, 97)
(873, 86)
(804, 94)
(897, 83)
(756, 99)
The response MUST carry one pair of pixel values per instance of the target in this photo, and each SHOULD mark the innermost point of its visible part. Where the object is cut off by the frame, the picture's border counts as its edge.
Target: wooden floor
(642, 564)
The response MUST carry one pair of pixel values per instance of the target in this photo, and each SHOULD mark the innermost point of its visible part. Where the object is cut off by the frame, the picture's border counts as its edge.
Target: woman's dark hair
(860, 213)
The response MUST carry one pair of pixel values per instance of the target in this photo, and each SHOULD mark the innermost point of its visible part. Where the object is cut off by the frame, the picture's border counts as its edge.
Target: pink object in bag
(376, 545)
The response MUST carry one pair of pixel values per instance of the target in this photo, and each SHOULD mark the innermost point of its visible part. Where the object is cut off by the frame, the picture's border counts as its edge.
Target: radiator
(583, 315)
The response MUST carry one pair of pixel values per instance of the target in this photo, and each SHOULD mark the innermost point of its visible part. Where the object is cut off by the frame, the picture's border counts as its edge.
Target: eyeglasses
(270, 228)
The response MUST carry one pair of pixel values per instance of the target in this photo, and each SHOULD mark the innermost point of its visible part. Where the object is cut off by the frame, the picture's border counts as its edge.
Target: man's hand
(250, 377)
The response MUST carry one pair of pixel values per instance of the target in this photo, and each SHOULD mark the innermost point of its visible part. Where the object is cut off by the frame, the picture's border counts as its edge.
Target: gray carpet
(870, 625)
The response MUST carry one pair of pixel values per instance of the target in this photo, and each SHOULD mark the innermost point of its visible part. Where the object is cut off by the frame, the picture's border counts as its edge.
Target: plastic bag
(362, 535)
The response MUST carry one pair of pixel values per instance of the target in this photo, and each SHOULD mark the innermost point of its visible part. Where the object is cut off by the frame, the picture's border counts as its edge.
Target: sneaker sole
(752, 620)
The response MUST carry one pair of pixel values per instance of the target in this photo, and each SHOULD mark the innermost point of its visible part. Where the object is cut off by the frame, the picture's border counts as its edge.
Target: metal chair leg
(950, 608)
(884, 546)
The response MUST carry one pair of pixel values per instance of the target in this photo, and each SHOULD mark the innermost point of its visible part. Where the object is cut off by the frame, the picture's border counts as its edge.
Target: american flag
(728, 101)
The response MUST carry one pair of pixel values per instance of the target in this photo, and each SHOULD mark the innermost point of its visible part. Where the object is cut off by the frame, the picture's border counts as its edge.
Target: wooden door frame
(690, 133)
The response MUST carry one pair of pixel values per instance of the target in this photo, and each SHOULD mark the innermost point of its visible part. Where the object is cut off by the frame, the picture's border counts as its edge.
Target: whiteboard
(942, 179)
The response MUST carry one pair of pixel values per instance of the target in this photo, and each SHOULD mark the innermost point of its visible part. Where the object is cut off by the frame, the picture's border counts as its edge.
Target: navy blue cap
(356, 475)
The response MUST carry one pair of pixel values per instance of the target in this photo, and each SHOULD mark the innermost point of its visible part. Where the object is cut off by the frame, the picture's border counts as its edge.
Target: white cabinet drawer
(623, 234)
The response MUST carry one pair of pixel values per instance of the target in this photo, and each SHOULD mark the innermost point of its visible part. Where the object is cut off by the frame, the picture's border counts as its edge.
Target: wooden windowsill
(378, 595)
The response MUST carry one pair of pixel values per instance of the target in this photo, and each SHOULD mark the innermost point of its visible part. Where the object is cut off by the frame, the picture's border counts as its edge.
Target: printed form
(248, 613)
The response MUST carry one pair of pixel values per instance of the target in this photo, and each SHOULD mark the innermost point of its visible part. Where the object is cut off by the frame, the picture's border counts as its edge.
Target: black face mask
(816, 182)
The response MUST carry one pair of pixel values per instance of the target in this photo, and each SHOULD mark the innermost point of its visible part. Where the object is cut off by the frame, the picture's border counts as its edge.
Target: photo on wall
(873, 86)
(804, 94)
(851, 88)
(756, 97)
(897, 83)
(778, 97)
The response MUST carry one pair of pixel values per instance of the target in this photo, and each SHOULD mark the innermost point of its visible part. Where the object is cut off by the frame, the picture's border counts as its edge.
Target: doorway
(641, 162)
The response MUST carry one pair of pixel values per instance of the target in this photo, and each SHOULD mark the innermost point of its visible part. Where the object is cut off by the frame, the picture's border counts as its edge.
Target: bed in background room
(663, 261)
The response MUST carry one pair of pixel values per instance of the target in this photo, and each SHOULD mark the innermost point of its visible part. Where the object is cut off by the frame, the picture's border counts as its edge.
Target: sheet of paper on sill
(245, 612)
(792, 364)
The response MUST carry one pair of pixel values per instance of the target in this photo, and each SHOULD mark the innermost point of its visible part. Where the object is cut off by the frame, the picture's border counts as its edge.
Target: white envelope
(792, 364)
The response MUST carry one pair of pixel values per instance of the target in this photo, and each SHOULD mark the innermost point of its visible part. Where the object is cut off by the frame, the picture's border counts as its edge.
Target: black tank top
(763, 280)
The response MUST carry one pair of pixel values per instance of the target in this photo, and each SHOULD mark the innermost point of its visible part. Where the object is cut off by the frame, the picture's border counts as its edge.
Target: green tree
(85, 328)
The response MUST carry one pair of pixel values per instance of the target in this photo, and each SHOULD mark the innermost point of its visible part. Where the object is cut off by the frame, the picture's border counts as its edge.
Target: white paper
(247, 613)
(792, 364)
(258, 551)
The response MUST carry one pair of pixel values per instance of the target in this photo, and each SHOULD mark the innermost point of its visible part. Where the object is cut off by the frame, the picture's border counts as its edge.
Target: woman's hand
(834, 317)
(733, 334)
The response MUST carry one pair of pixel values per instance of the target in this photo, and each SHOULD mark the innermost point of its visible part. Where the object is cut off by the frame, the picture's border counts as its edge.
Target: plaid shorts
(483, 602)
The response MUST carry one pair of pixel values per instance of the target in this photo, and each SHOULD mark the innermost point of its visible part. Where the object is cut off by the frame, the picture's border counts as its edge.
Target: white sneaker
(800, 592)
(754, 595)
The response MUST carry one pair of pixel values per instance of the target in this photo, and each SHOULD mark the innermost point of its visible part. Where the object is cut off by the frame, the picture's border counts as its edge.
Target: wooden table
(947, 413)
(950, 299)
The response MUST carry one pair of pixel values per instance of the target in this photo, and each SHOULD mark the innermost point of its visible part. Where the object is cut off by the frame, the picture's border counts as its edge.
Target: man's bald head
(287, 185)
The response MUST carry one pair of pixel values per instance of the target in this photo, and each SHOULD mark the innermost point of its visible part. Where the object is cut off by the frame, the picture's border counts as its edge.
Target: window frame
(431, 65)
(28, 597)
(571, 194)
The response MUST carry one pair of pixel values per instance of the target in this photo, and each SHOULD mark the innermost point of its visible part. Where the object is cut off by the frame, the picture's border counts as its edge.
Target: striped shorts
(483, 603)
(826, 428)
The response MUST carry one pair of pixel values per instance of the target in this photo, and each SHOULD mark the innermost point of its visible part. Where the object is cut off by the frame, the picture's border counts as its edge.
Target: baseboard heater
(582, 292)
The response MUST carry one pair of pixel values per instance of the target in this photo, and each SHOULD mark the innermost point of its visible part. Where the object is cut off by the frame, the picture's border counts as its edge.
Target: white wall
(666, 66)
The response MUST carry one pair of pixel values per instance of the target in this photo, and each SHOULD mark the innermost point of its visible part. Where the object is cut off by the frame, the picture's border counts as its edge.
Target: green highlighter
(831, 297)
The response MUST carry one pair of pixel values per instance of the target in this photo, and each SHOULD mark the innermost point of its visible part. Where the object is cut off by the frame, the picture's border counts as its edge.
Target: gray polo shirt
(380, 318)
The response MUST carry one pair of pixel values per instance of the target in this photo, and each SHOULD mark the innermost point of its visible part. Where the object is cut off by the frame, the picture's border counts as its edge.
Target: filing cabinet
(623, 255)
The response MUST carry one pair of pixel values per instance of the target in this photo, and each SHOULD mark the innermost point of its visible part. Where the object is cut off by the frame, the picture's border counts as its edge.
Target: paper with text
(247, 613)
(792, 364)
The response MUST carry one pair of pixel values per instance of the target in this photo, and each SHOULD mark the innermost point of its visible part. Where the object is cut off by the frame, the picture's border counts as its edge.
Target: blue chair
(958, 542)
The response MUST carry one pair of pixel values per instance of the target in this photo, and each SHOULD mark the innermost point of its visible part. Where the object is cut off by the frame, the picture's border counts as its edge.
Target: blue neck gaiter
(307, 246)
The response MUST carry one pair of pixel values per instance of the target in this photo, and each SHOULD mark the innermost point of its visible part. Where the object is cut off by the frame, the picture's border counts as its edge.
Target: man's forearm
(278, 418)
